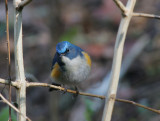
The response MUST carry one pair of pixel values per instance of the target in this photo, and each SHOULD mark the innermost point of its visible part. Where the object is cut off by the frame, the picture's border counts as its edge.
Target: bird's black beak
(62, 54)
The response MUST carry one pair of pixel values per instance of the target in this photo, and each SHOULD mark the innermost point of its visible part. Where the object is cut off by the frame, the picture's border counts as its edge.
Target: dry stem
(13, 83)
(19, 65)
(120, 6)
(137, 104)
(146, 15)
(118, 52)
(9, 57)
(36, 84)
(13, 107)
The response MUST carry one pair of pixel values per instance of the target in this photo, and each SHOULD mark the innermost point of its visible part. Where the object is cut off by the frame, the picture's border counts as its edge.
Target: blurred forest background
(92, 25)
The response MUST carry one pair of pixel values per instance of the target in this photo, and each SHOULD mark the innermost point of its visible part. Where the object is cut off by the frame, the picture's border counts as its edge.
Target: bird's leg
(77, 92)
(52, 89)
(65, 89)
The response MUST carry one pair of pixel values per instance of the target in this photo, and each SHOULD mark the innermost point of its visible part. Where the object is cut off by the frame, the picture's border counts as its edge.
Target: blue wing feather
(54, 60)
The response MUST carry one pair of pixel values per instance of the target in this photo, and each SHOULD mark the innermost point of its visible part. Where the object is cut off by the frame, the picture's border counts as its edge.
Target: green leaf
(4, 114)
(89, 110)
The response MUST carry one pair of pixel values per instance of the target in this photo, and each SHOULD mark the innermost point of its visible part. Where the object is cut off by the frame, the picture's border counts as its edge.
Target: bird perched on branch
(71, 65)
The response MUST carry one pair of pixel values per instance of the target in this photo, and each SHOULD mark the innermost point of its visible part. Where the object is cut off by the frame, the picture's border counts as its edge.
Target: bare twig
(146, 15)
(118, 51)
(121, 6)
(35, 84)
(137, 104)
(19, 65)
(23, 3)
(12, 106)
(9, 57)
(8, 42)
(13, 83)
(18, 52)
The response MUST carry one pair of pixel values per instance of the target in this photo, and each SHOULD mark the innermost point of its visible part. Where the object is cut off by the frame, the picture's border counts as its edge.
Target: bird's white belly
(75, 70)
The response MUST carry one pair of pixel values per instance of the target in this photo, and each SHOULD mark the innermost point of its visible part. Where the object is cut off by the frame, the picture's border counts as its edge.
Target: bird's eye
(67, 50)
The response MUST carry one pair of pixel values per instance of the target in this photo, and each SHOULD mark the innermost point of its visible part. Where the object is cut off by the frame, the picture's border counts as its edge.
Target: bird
(71, 65)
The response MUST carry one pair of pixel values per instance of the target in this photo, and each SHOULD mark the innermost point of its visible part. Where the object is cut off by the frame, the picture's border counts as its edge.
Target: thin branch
(8, 42)
(13, 107)
(9, 56)
(146, 15)
(23, 3)
(121, 6)
(137, 104)
(19, 63)
(117, 59)
(13, 83)
(35, 84)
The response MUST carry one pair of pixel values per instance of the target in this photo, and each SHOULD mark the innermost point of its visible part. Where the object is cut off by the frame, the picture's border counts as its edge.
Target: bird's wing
(54, 61)
(87, 57)
(55, 73)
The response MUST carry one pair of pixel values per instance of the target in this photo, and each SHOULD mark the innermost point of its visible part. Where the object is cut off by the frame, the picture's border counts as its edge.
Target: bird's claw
(77, 93)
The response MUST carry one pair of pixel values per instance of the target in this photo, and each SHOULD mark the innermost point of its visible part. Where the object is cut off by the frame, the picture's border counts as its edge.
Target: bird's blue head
(65, 48)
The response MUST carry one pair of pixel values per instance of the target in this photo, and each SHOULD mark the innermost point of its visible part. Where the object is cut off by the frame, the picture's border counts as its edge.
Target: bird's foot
(65, 90)
(77, 92)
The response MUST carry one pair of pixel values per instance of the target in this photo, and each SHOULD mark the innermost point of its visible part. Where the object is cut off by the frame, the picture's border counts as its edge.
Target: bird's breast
(76, 69)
